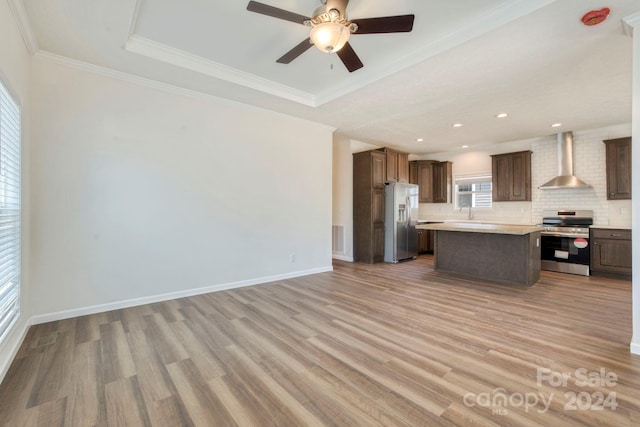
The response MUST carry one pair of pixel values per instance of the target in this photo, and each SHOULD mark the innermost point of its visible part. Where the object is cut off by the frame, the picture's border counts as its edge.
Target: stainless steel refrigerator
(400, 219)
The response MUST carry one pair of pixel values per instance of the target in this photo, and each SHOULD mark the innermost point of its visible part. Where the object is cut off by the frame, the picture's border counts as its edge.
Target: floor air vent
(338, 238)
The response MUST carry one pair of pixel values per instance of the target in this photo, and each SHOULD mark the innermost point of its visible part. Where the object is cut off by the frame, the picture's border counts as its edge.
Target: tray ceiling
(464, 61)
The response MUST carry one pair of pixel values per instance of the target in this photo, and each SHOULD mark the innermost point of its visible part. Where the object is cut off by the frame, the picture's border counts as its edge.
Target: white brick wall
(589, 165)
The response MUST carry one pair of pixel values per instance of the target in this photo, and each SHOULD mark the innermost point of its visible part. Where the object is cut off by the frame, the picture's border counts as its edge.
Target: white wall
(635, 118)
(343, 193)
(139, 193)
(15, 71)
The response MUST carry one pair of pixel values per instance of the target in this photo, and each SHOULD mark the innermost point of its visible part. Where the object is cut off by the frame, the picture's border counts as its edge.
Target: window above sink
(473, 190)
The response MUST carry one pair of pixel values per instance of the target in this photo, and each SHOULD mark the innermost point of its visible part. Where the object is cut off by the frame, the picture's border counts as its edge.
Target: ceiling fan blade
(295, 52)
(386, 24)
(274, 12)
(349, 58)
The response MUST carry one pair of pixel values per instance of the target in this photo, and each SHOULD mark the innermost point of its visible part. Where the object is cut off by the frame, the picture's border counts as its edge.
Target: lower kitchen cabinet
(610, 251)
(377, 247)
(425, 241)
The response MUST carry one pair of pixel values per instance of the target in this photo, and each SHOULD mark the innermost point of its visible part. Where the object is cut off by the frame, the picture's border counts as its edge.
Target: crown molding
(165, 87)
(493, 19)
(24, 26)
(630, 22)
(136, 44)
(180, 58)
(134, 17)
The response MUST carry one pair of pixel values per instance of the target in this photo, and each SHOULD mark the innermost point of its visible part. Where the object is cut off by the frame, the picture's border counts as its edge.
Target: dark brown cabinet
(403, 167)
(618, 154)
(425, 241)
(371, 170)
(377, 205)
(425, 181)
(369, 173)
(397, 166)
(392, 165)
(610, 251)
(378, 170)
(442, 179)
(434, 180)
(511, 174)
(413, 172)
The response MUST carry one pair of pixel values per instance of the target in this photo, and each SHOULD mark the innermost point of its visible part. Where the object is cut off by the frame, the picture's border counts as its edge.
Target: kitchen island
(501, 252)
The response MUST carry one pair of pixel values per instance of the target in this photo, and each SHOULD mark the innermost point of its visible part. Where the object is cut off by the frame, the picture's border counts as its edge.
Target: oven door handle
(552, 234)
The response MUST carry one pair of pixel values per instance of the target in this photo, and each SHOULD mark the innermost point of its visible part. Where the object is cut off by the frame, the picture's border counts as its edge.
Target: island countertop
(481, 227)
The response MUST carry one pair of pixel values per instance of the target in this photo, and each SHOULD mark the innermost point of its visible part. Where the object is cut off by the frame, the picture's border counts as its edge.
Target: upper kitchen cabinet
(403, 167)
(511, 176)
(442, 179)
(413, 173)
(618, 168)
(397, 166)
(434, 180)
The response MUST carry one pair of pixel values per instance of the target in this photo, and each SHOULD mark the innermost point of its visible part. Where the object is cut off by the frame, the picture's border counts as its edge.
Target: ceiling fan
(331, 29)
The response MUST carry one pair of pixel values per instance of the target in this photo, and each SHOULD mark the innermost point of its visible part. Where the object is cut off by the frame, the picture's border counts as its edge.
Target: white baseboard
(83, 311)
(9, 356)
(342, 257)
(635, 347)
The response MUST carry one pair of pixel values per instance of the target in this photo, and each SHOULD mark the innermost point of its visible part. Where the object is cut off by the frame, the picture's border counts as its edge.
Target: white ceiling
(465, 61)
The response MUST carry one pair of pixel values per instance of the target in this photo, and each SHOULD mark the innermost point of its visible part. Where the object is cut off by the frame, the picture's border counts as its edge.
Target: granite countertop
(479, 227)
(612, 227)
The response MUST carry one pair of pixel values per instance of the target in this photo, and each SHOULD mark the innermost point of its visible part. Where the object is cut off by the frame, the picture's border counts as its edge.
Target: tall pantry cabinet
(369, 174)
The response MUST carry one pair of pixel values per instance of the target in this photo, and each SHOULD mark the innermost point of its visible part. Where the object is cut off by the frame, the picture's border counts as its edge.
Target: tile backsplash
(589, 166)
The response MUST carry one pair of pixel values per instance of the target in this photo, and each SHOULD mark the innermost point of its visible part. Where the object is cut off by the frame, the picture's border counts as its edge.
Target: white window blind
(9, 211)
(474, 191)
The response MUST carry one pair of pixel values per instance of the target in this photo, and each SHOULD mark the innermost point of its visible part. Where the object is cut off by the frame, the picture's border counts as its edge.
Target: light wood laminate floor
(364, 345)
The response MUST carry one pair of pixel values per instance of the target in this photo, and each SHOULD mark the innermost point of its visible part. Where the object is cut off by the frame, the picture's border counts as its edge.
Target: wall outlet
(292, 257)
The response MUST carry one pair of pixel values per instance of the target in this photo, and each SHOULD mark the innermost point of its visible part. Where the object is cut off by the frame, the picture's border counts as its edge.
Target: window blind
(474, 191)
(9, 211)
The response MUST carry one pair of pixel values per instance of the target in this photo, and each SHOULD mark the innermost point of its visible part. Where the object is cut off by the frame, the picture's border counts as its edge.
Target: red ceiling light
(595, 16)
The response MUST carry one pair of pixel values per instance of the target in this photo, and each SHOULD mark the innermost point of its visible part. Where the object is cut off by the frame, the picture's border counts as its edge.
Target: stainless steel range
(565, 241)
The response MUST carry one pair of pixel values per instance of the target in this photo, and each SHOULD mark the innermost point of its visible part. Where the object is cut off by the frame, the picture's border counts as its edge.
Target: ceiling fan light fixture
(331, 29)
(329, 36)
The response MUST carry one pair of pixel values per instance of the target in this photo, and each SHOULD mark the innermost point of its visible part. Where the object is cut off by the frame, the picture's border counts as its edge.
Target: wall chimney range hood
(565, 178)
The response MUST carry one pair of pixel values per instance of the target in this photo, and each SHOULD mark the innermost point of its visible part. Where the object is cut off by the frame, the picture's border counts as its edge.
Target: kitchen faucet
(466, 205)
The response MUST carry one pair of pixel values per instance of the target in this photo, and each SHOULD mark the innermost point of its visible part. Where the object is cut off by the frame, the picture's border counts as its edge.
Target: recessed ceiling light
(556, 125)
(457, 125)
(465, 146)
(420, 139)
(501, 115)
